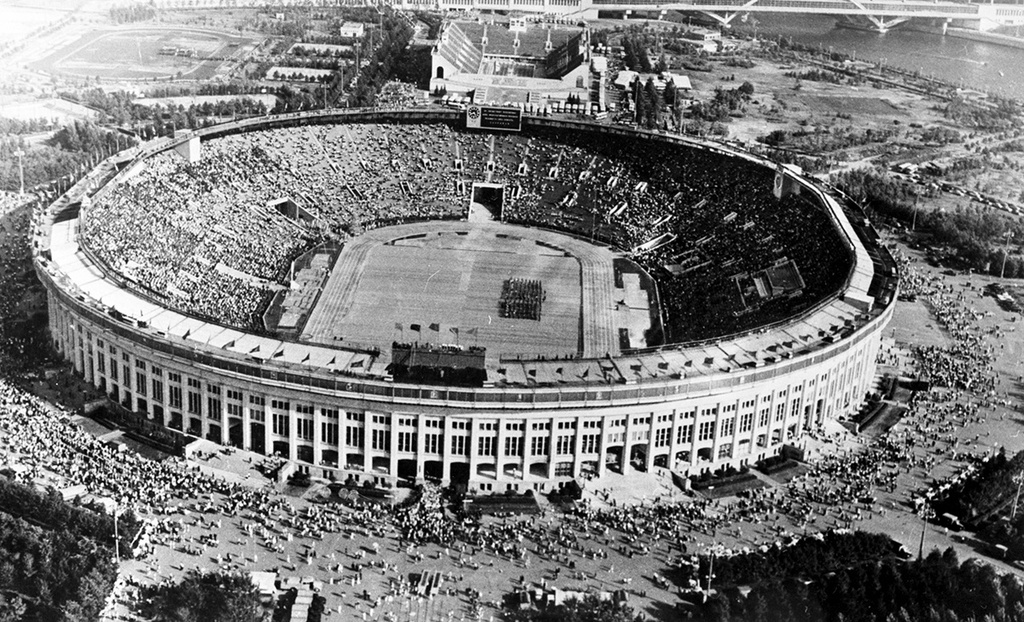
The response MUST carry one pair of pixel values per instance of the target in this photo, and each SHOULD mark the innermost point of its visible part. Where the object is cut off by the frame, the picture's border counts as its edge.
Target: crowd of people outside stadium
(202, 236)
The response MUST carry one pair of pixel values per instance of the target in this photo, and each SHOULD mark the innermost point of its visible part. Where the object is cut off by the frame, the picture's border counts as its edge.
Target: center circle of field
(441, 282)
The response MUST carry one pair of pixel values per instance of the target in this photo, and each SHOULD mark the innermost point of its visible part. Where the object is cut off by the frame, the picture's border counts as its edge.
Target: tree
(670, 94)
(12, 608)
(747, 89)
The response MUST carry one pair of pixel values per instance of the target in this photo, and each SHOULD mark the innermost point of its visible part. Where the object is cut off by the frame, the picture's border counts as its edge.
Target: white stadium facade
(334, 411)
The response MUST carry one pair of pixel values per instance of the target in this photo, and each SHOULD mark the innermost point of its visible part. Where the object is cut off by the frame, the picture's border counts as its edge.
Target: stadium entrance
(486, 202)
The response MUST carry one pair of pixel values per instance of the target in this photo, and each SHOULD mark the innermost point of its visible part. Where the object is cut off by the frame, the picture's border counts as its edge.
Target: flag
(532, 372)
(558, 371)
(454, 329)
(398, 326)
(305, 358)
(471, 331)
(356, 364)
(435, 327)
(586, 372)
(415, 327)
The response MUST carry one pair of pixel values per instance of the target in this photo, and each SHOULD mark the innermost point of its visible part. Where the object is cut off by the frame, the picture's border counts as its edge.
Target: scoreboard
(494, 118)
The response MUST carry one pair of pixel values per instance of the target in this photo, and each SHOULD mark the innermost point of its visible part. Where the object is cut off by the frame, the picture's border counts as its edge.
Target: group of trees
(86, 136)
(132, 13)
(1002, 115)
(17, 127)
(589, 609)
(205, 597)
(826, 139)
(809, 557)
(987, 491)
(725, 103)
(68, 152)
(974, 233)
(50, 510)
(56, 560)
(936, 589)
(635, 55)
(385, 62)
(816, 75)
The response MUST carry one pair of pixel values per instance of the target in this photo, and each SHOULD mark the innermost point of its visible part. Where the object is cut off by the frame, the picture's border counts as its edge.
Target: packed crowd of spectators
(174, 227)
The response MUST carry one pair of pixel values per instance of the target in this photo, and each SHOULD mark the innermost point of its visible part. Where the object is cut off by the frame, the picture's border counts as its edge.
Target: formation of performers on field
(521, 299)
(202, 237)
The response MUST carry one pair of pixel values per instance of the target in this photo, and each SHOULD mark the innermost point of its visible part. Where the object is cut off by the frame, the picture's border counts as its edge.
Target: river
(995, 68)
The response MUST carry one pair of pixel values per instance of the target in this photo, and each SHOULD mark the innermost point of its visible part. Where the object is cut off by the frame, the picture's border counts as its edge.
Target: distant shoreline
(972, 35)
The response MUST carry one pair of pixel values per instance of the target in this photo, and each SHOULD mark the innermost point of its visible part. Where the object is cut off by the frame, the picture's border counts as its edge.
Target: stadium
(392, 295)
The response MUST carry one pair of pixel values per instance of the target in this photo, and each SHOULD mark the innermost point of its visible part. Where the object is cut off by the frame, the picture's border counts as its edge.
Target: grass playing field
(453, 280)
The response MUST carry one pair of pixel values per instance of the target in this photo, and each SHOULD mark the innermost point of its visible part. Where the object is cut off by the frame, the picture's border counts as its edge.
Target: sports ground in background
(134, 53)
(450, 275)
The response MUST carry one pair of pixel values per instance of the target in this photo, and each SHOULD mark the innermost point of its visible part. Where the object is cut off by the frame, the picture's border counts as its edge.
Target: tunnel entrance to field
(638, 457)
(433, 470)
(539, 469)
(382, 465)
(460, 474)
(487, 470)
(214, 433)
(613, 459)
(304, 453)
(354, 461)
(486, 201)
(257, 438)
(281, 448)
(235, 432)
(512, 469)
(329, 457)
(407, 469)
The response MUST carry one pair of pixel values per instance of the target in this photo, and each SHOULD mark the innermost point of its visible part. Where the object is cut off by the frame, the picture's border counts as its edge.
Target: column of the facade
(524, 456)
(499, 451)
(268, 427)
(393, 452)
(367, 457)
(694, 435)
(552, 447)
(293, 432)
(627, 443)
(577, 446)
(421, 445)
(446, 449)
(318, 440)
(472, 449)
(649, 458)
(602, 445)
(246, 422)
(222, 399)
